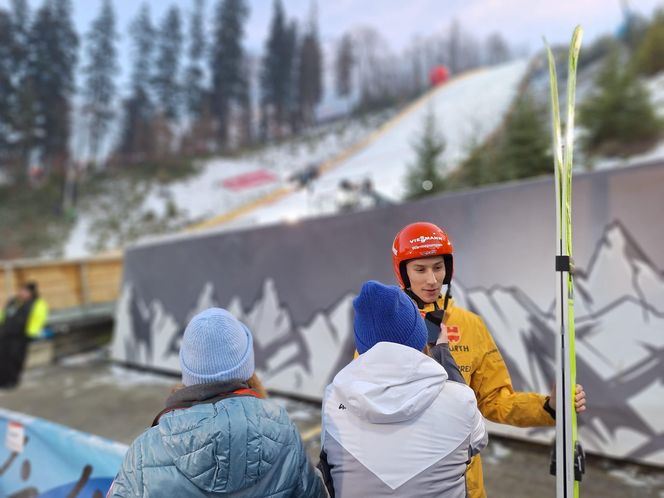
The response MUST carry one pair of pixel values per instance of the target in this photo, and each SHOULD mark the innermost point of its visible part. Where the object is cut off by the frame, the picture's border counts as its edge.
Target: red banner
(249, 180)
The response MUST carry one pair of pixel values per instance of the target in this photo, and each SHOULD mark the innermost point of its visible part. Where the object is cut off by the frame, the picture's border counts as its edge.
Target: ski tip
(547, 47)
(577, 37)
(548, 51)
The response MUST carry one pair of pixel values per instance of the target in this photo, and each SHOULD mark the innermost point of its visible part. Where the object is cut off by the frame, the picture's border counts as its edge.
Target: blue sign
(42, 459)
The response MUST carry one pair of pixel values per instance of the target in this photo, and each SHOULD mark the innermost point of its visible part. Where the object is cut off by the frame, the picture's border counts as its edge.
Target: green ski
(569, 458)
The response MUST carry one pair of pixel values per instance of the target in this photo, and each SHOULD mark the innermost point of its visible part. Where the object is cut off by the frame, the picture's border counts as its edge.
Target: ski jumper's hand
(579, 399)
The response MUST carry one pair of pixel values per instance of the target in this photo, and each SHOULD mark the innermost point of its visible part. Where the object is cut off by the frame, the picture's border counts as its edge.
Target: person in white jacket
(393, 424)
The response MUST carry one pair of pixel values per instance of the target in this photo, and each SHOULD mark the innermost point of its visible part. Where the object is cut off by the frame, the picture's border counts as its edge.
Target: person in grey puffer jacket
(217, 437)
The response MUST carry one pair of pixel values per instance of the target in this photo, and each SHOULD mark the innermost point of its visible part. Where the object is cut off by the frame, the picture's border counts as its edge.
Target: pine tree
(478, 168)
(290, 57)
(22, 102)
(497, 49)
(524, 150)
(100, 89)
(521, 149)
(310, 77)
(166, 82)
(245, 104)
(54, 44)
(425, 176)
(344, 66)
(618, 117)
(195, 89)
(649, 57)
(6, 87)
(227, 63)
(277, 70)
(137, 140)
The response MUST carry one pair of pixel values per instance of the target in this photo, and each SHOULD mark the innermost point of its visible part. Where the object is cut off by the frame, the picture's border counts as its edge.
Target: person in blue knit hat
(381, 315)
(217, 435)
(393, 424)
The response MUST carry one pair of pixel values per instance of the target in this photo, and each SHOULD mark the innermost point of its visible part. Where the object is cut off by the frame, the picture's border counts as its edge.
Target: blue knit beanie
(386, 314)
(216, 347)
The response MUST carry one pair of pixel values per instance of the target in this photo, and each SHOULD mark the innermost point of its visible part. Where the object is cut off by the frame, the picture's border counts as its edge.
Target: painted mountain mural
(620, 343)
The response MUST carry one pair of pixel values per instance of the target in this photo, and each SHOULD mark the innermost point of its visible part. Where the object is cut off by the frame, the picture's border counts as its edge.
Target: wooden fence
(66, 283)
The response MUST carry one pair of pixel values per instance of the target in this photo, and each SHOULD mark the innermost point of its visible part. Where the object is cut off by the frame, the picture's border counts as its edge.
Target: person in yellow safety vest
(22, 318)
(423, 263)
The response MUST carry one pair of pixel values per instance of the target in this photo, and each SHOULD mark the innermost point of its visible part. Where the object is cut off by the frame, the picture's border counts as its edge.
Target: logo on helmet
(425, 238)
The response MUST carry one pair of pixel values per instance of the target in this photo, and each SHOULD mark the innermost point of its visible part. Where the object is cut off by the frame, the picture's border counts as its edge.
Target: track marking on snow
(242, 210)
(333, 163)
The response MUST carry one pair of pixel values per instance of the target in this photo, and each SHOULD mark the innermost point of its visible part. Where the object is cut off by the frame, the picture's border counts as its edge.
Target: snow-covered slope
(467, 110)
(204, 196)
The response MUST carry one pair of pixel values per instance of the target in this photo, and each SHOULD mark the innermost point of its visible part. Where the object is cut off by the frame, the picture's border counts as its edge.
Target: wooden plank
(66, 284)
(104, 280)
(59, 284)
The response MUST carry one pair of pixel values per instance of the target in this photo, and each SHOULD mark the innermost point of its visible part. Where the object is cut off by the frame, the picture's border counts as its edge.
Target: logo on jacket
(453, 334)
(341, 406)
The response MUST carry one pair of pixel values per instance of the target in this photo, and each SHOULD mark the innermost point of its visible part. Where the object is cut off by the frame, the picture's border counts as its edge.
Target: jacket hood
(390, 383)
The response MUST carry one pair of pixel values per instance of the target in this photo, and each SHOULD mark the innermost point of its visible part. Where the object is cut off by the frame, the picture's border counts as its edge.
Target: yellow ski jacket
(484, 370)
(36, 319)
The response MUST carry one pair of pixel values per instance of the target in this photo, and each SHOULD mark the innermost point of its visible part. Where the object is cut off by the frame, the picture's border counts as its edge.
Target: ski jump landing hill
(467, 110)
(293, 283)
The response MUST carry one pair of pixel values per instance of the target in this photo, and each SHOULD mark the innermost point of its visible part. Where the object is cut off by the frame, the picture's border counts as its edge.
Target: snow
(654, 154)
(636, 478)
(467, 110)
(127, 378)
(81, 359)
(203, 196)
(655, 86)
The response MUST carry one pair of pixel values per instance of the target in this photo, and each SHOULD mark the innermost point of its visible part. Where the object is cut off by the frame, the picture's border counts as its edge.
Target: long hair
(255, 383)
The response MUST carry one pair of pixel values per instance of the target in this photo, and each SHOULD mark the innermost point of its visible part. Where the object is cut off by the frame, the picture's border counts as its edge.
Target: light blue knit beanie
(216, 347)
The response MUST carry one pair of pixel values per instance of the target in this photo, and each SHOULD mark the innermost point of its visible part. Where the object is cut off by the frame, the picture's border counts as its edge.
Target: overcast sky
(522, 22)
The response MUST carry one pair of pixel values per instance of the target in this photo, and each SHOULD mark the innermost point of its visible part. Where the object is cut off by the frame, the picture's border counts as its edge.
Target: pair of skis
(569, 461)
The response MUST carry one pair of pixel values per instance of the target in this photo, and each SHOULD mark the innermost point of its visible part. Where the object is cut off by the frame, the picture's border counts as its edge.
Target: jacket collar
(440, 302)
(203, 393)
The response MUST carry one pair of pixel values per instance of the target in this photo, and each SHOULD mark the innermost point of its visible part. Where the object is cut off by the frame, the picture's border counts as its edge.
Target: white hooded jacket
(393, 425)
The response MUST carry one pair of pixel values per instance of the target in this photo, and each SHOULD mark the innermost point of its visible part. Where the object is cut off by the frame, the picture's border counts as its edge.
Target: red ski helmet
(420, 240)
